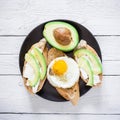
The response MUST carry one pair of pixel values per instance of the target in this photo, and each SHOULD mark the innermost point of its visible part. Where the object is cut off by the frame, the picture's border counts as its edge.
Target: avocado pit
(62, 35)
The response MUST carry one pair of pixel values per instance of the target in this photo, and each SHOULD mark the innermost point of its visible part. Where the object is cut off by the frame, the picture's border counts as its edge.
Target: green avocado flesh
(94, 59)
(85, 65)
(42, 62)
(48, 34)
(35, 65)
(38, 63)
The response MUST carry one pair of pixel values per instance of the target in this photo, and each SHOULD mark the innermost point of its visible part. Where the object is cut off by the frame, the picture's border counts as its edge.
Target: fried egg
(63, 72)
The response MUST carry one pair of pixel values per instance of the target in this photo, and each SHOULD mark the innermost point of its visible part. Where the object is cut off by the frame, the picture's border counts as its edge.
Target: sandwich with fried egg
(63, 74)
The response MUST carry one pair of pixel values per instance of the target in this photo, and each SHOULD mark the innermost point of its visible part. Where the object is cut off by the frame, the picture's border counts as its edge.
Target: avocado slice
(36, 59)
(42, 62)
(48, 33)
(85, 65)
(94, 59)
(35, 65)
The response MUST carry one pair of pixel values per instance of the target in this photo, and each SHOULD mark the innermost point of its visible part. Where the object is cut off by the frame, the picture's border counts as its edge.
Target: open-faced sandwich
(35, 67)
(89, 64)
(63, 73)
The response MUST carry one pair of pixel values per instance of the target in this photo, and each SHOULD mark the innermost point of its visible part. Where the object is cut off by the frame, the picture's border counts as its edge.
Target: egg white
(71, 75)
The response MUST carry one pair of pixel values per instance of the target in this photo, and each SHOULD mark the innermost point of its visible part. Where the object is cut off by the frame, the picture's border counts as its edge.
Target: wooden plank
(110, 46)
(58, 117)
(9, 64)
(14, 98)
(20, 17)
(10, 45)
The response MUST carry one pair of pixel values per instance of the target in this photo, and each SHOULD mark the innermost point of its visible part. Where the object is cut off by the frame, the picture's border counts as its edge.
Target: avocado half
(48, 34)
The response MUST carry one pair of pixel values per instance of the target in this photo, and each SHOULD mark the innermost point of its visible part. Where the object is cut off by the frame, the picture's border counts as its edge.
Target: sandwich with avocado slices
(89, 64)
(35, 67)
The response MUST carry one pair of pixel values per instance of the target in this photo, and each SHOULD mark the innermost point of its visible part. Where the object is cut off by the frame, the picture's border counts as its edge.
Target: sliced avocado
(85, 65)
(48, 33)
(95, 61)
(35, 65)
(42, 62)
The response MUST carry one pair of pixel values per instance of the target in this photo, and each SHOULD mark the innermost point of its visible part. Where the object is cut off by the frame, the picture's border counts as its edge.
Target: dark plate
(49, 92)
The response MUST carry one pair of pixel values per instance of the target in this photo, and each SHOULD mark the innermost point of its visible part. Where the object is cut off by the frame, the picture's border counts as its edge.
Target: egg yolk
(59, 67)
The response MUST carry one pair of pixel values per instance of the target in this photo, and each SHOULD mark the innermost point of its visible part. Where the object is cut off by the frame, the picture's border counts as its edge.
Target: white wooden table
(18, 18)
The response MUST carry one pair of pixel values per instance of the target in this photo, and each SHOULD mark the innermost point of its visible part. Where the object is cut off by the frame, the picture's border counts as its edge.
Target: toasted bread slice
(41, 45)
(72, 93)
(83, 44)
(54, 53)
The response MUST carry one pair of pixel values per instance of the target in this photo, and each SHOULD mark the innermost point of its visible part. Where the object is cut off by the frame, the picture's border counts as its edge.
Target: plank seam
(59, 113)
